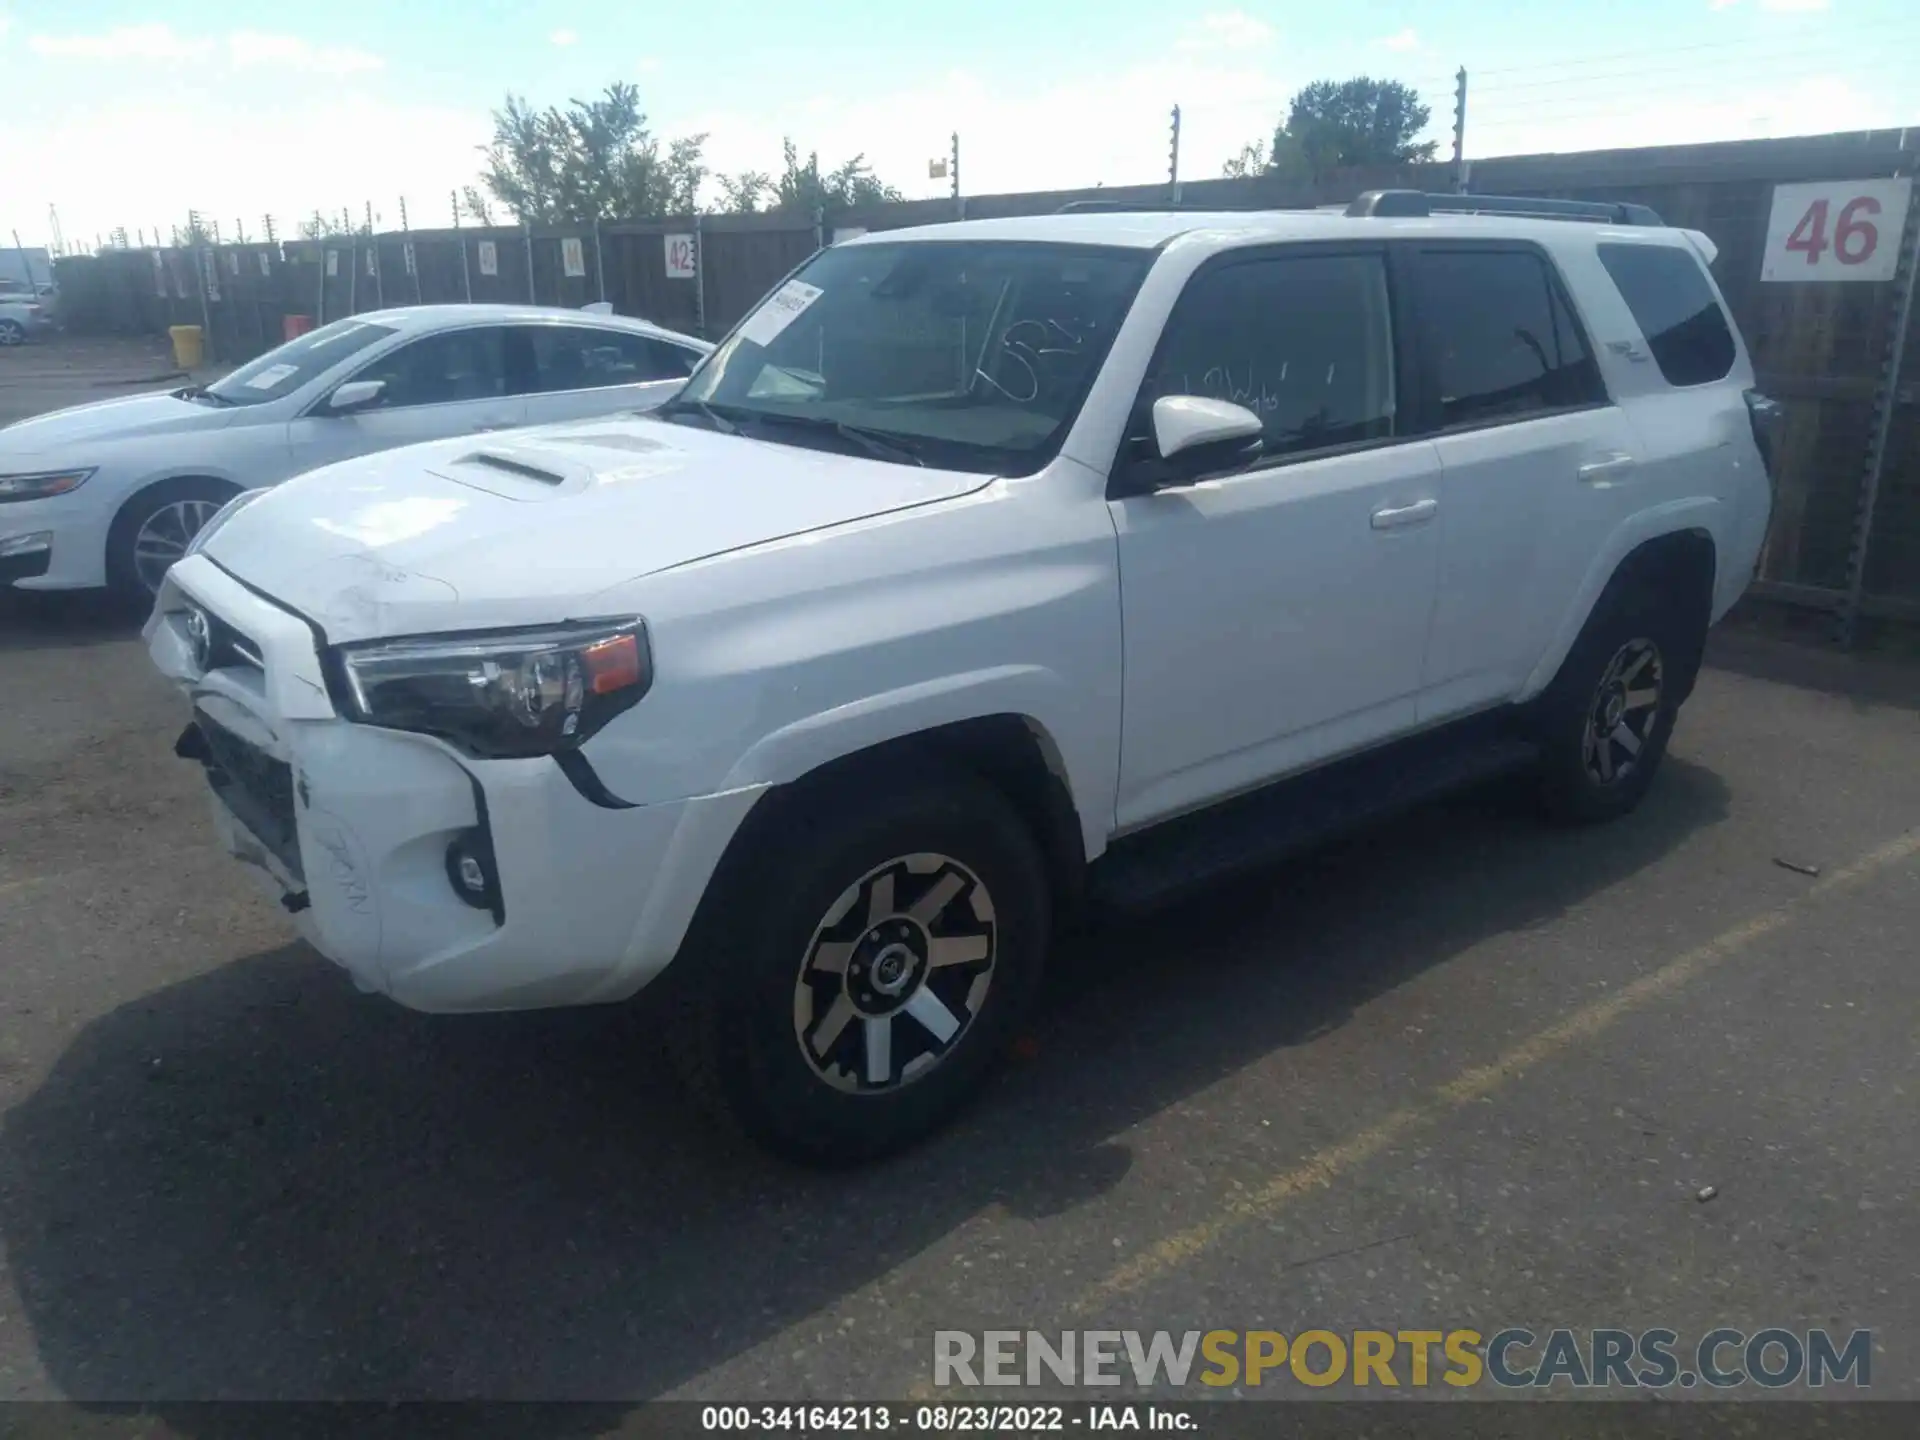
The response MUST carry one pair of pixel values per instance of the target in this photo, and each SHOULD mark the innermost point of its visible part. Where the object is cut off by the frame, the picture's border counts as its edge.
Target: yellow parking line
(1322, 1168)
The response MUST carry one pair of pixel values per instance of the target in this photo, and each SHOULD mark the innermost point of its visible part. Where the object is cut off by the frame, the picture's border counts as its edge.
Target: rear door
(448, 383)
(579, 370)
(1538, 464)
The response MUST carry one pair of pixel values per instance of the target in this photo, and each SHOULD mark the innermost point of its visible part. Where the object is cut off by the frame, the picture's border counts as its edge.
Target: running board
(1160, 865)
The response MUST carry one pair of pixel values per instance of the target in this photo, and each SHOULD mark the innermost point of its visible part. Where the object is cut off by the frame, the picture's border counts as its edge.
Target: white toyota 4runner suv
(984, 571)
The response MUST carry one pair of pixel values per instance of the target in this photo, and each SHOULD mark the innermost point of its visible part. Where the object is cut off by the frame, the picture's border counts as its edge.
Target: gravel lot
(1463, 1071)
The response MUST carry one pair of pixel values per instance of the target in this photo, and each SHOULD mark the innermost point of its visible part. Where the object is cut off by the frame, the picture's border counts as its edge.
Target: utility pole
(466, 276)
(373, 263)
(1173, 158)
(410, 261)
(953, 174)
(1460, 132)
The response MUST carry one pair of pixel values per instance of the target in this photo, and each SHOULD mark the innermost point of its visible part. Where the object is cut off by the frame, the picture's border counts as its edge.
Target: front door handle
(1392, 517)
(1606, 468)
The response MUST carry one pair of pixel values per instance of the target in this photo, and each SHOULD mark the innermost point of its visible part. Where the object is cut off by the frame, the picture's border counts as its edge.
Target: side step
(1156, 866)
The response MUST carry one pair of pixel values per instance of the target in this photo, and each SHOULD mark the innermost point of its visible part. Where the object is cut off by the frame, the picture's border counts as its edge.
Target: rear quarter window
(1675, 308)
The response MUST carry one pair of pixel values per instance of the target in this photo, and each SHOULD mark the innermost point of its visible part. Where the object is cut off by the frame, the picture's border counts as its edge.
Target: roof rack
(1400, 204)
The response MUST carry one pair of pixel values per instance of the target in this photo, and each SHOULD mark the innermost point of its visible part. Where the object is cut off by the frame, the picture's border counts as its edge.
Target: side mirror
(1191, 436)
(355, 395)
(1217, 429)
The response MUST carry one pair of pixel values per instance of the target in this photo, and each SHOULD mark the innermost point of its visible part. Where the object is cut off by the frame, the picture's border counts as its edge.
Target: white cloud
(563, 37)
(1794, 7)
(648, 65)
(123, 42)
(1226, 30)
(244, 48)
(109, 163)
(1402, 41)
(1106, 127)
(255, 47)
(1812, 106)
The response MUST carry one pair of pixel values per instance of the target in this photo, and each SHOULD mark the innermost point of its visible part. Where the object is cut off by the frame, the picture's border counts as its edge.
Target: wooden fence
(1821, 348)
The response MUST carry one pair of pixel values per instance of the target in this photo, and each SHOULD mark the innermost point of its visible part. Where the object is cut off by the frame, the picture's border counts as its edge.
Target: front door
(1276, 615)
(450, 383)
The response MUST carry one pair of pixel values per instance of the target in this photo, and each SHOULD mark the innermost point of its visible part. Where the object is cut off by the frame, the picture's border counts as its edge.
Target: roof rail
(1399, 204)
(1084, 207)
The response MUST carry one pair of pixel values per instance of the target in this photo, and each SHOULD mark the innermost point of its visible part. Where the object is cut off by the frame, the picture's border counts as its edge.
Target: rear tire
(1605, 720)
(152, 531)
(862, 966)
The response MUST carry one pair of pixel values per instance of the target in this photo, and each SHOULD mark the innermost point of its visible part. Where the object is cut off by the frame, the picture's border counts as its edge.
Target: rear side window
(1500, 338)
(1675, 309)
(1306, 343)
(575, 357)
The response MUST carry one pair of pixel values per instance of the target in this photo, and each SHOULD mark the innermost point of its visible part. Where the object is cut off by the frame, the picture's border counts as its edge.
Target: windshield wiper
(701, 408)
(201, 392)
(877, 443)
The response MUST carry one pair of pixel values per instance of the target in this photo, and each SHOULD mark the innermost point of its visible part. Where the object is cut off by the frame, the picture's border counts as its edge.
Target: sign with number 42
(683, 257)
(1836, 230)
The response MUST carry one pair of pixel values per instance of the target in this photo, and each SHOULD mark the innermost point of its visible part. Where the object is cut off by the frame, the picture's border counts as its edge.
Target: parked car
(983, 571)
(22, 318)
(110, 493)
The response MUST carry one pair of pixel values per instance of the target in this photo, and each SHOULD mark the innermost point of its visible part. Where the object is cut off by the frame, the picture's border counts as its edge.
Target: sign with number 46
(1836, 230)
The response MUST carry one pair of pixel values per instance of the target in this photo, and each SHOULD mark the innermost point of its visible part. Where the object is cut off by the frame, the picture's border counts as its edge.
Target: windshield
(284, 370)
(971, 355)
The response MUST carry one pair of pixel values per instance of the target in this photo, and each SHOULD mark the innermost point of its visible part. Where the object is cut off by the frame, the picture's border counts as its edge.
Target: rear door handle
(1393, 517)
(1605, 468)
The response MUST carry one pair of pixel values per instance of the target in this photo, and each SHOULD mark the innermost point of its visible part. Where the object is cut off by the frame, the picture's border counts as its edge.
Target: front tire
(864, 965)
(153, 530)
(12, 332)
(1605, 721)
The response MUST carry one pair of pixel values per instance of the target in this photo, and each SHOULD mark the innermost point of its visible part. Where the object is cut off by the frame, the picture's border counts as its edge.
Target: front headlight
(41, 486)
(502, 694)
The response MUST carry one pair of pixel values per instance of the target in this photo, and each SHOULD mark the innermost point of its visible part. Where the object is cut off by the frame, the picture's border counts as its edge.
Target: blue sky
(127, 112)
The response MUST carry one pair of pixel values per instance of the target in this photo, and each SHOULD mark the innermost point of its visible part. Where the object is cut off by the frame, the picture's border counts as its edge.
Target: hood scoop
(513, 467)
(517, 472)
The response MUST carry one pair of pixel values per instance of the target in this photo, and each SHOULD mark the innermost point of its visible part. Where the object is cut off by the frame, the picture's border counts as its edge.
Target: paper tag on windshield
(782, 308)
(271, 376)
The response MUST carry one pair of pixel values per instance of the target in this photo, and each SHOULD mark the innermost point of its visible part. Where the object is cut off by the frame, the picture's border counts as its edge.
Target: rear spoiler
(1709, 251)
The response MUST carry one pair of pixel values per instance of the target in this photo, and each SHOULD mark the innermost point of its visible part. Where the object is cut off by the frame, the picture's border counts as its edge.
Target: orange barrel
(292, 325)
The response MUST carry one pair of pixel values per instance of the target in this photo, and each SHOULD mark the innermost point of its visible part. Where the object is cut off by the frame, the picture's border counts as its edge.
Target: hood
(129, 417)
(529, 526)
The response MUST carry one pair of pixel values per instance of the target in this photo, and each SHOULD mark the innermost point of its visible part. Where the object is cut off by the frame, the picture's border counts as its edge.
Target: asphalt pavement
(1461, 1072)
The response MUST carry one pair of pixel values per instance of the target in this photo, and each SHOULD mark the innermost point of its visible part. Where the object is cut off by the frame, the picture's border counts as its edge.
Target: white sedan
(112, 492)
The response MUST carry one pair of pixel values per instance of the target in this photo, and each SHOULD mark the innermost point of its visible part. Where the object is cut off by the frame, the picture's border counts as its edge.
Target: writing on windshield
(973, 354)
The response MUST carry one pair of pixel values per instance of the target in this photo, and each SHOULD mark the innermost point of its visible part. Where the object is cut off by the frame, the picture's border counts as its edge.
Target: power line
(1665, 50)
(1742, 65)
(1711, 88)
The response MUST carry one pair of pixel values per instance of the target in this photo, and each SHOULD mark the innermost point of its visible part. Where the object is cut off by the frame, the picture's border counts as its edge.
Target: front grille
(257, 788)
(228, 646)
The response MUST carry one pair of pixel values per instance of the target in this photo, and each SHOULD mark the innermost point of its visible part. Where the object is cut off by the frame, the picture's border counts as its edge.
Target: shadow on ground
(31, 620)
(256, 1184)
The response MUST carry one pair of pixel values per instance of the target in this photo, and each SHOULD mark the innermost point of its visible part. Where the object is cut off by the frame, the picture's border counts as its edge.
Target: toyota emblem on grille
(200, 637)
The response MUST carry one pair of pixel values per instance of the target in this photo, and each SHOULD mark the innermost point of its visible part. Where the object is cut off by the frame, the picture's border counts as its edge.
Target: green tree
(594, 160)
(1337, 125)
(745, 193)
(805, 187)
